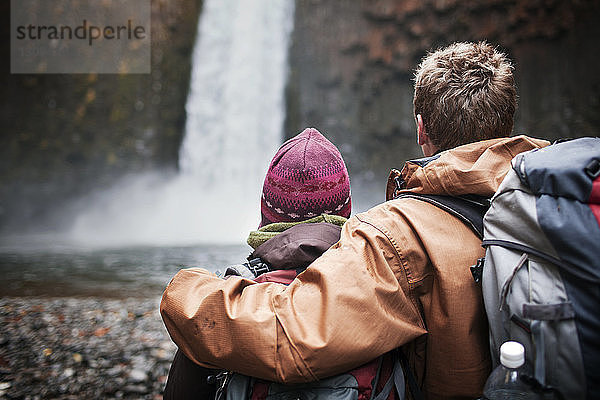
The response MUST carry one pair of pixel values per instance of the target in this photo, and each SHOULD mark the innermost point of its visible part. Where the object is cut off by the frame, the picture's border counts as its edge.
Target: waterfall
(235, 111)
(236, 106)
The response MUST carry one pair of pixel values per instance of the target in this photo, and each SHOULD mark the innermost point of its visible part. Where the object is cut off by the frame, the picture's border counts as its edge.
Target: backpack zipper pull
(222, 380)
(400, 184)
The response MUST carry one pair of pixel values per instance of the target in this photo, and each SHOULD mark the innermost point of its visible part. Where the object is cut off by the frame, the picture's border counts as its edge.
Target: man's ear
(422, 137)
(427, 146)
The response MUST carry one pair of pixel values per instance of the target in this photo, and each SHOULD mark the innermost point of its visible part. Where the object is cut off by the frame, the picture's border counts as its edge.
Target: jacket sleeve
(351, 305)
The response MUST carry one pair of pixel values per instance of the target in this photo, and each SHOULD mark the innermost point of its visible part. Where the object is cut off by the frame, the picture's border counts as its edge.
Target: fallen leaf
(101, 332)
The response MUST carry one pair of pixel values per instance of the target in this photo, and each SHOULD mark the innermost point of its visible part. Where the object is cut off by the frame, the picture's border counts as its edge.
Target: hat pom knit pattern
(307, 177)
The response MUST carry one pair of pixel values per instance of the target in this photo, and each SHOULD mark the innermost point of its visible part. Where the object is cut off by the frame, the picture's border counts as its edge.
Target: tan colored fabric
(395, 263)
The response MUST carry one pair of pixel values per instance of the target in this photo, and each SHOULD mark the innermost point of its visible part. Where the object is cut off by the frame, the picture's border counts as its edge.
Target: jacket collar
(298, 246)
(475, 168)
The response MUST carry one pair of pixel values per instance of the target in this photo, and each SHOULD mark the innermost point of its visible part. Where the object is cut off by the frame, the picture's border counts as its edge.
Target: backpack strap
(415, 391)
(470, 209)
(399, 384)
(396, 380)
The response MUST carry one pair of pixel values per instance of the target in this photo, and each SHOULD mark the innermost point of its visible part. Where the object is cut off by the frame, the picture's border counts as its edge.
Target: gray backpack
(541, 274)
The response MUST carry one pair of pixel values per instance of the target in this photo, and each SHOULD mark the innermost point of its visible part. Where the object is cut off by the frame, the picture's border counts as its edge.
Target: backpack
(541, 272)
(379, 379)
(541, 275)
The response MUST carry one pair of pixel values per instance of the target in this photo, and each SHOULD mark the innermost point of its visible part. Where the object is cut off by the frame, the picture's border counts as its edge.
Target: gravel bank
(72, 348)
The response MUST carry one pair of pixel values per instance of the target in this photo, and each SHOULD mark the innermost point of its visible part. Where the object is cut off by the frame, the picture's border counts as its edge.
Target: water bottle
(505, 382)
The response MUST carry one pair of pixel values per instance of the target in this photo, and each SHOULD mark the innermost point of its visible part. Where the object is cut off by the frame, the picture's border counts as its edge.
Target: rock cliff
(351, 66)
(66, 134)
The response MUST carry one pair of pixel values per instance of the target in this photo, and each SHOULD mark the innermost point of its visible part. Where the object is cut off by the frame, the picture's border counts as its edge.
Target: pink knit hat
(307, 177)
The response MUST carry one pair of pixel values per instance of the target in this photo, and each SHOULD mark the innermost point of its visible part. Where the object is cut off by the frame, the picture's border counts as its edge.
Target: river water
(111, 273)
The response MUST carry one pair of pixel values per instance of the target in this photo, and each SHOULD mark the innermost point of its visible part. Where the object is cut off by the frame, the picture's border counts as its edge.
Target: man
(399, 276)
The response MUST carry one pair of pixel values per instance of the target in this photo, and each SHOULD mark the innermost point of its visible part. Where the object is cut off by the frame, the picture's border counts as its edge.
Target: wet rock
(135, 389)
(55, 349)
(137, 375)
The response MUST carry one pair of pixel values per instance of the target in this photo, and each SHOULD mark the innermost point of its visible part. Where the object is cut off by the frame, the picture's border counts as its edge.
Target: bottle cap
(512, 354)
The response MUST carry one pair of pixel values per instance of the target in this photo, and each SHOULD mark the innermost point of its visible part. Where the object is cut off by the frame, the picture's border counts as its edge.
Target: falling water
(235, 114)
(235, 108)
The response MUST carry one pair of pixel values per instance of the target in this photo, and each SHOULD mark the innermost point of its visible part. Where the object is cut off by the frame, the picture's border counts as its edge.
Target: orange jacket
(398, 276)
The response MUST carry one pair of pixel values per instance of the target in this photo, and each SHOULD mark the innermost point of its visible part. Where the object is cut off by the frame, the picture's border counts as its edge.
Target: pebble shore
(73, 348)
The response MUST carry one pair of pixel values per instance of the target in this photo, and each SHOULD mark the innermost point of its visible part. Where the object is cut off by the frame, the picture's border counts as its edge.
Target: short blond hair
(465, 93)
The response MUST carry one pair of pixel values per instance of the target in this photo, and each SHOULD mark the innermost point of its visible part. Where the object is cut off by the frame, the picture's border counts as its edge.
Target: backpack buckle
(477, 270)
(593, 169)
(399, 185)
(221, 380)
(257, 266)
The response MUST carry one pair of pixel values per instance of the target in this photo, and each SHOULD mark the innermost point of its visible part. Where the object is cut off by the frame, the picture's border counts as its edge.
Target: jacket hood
(475, 168)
